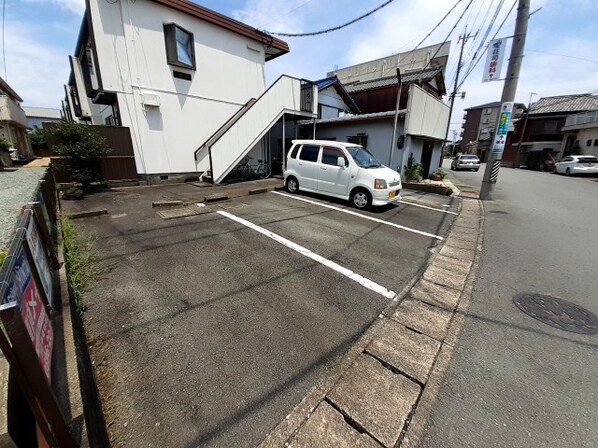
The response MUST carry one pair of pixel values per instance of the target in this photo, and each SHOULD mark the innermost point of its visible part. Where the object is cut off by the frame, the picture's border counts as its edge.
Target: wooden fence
(119, 165)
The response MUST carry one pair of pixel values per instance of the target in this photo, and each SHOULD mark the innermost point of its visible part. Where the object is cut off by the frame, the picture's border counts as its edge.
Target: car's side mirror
(340, 161)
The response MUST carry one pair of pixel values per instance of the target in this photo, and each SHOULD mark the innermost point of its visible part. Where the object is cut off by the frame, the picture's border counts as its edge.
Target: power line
(336, 28)
(564, 56)
(449, 34)
(477, 61)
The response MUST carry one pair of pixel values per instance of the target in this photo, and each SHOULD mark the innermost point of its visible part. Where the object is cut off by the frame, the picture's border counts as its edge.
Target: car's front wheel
(292, 185)
(568, 172)
(361, 199)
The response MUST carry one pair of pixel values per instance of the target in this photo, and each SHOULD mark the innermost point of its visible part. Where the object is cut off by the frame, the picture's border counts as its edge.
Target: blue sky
(561, 49)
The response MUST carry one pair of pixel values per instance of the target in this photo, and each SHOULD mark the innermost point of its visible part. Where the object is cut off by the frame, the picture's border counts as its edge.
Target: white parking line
(351, 212)
(428, 208)
(366, 283)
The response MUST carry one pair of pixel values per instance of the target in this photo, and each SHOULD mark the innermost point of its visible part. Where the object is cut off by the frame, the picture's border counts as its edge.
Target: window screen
(309, 153)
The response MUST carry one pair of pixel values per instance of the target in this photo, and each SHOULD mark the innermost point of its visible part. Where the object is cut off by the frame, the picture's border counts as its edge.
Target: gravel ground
(17, 186)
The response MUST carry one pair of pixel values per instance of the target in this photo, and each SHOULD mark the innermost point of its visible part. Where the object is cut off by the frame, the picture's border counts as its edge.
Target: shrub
(413, 170)
(4, 145)
(85, 148)
(37, 138)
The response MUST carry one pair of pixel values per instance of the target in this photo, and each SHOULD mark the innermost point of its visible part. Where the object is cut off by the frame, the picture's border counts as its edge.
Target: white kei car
(577, 165)
(342, 170)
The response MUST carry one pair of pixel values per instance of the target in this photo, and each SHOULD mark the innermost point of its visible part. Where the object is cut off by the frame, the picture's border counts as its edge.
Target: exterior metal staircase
(218, 155)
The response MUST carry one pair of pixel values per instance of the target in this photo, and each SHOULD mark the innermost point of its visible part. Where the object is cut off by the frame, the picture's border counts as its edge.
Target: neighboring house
(537, 141)
(380, 95)
(432, 57)
(421, 129)
(333, 101)
(188, 83)
(422, 118)
(580, 134)
(37, 116)
(13, 122)
(479, 126)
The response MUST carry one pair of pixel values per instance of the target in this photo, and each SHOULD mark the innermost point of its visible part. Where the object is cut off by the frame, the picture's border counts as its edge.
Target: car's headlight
(379, 184)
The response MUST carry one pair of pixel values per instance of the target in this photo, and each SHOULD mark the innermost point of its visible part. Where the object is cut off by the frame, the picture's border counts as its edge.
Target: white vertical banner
(494, 58)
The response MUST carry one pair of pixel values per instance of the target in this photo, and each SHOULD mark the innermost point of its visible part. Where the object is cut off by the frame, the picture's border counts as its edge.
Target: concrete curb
(87, 214)
(386, 385)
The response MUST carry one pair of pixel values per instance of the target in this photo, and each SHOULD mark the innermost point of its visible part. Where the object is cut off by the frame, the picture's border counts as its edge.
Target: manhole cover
(557, 313)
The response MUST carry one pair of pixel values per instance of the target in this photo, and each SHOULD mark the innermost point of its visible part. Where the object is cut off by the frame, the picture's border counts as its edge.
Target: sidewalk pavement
(383, 390)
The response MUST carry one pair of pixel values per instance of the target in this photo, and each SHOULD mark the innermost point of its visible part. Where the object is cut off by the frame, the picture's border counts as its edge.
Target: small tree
(85, 148)
(4, 153)
(37, 138)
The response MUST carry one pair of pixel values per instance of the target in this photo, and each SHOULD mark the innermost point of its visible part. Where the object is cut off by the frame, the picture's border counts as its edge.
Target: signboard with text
(494, 58)
(502, 129)
(22, 291)
(40, 259)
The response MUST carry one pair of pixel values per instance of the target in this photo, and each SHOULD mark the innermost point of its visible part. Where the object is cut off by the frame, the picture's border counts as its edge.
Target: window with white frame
(180, 49)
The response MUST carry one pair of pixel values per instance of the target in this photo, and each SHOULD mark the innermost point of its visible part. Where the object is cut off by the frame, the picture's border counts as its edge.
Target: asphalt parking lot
(209, 329)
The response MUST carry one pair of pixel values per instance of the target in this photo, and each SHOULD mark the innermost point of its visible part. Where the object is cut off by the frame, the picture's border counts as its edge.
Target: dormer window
(179, 46)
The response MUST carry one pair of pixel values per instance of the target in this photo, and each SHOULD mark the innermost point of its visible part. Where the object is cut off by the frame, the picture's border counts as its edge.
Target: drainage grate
(557, 312)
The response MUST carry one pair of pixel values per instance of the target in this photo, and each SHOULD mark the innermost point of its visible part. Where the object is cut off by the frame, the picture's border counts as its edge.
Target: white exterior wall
(130, 47)
(426, 115)
(331, 102)
(379, 134)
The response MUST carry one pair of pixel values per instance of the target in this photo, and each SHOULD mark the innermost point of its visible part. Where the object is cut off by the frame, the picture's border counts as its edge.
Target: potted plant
(413, 170)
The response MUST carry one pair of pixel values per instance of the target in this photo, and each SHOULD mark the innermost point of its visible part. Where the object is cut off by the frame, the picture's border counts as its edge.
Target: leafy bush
(85, 148)
(37, 138)
(4, 145)
(413, 170)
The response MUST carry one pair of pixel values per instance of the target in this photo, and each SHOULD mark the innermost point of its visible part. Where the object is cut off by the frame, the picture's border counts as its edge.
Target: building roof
(388, 81)
(275, 47)
(564, 104)
(361, 117)
(8, 90)
(433, 56)
(340, 89)
(484, 106)
(42, 112)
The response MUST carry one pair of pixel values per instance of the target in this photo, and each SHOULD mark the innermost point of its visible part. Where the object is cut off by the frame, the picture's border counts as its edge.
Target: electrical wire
(477, 61)
(3, 39)
(449, 34)
(286, 14)
(336, 28)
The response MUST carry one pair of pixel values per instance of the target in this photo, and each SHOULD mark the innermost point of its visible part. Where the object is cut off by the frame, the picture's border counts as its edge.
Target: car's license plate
(392, 194)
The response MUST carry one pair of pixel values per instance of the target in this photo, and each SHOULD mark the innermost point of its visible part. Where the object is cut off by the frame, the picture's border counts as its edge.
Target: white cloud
(36, 71)
(268, 15)
(75, 6)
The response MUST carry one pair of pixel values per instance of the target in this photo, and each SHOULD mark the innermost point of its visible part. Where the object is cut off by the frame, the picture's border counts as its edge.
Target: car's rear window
(309, 153)
(588, 160)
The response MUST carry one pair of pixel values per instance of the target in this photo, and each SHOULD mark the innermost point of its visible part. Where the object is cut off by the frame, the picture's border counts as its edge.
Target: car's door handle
(323, 168)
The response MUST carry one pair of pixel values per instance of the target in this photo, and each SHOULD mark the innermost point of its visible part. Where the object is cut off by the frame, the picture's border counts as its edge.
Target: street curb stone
(327, 427)
(376, 398)
(404, 349)
(397, 366)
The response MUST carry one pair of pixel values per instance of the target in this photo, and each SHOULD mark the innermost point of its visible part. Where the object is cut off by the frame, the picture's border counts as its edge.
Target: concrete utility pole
(463, 40)
(508, 92)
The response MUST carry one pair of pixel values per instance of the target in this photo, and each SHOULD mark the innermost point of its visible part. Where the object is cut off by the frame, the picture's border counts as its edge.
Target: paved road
(207, 332)
(514, 381)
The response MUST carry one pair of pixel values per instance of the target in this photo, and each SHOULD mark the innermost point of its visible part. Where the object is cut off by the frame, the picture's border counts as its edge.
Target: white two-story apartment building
(188, 82)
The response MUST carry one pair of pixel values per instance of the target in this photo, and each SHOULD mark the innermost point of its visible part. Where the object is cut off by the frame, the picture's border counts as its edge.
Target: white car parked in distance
(341, 170)
(577, 165)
